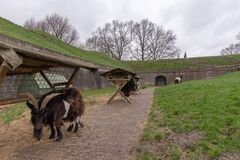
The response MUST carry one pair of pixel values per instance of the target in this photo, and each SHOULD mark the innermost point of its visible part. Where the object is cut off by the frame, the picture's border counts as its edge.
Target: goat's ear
(30, 105)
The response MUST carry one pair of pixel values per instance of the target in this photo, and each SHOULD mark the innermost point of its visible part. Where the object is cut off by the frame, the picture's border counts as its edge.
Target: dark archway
(160, 81)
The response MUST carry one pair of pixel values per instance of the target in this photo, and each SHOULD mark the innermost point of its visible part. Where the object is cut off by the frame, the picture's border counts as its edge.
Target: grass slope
(184, 63)
(208, 106)
(45, 40)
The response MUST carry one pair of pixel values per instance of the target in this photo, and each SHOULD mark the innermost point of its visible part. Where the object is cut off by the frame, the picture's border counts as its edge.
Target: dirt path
(110, 131)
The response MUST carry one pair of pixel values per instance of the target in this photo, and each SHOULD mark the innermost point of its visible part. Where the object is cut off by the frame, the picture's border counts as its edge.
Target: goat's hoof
(51, 136)
(76, 128)
(59, 139)
(70, 128)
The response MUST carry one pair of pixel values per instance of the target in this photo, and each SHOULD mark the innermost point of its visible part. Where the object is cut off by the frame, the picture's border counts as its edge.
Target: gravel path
(109, 132)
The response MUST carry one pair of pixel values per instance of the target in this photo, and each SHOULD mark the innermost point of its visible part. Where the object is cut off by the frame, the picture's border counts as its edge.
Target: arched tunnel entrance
(160, 81)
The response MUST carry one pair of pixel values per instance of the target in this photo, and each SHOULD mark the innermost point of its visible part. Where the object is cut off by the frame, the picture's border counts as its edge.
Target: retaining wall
(188, 74)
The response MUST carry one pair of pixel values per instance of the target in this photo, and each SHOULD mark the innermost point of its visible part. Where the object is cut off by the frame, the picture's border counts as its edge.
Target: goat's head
(135, 83)
(37, 116)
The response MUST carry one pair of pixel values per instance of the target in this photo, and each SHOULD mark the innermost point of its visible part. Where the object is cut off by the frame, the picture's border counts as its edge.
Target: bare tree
(72, 37)
(143, 32)
(93, 44)
(57, 26)
(162, 44)
(232, 49)
(141, 40)
(113, 39)
(30, 24)
(238, 36)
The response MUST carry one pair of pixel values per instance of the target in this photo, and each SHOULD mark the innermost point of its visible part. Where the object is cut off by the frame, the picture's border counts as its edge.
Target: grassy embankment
(199, 62)
(45, 40)
(208, 107)
(8, 114)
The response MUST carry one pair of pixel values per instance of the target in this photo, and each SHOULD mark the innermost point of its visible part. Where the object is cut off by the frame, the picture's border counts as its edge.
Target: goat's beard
(37, 133)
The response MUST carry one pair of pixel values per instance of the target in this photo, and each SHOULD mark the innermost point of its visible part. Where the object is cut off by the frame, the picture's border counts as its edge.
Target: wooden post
(11, 60)
(47, 80)
(119, 91)
(70, 81)
(3, 71)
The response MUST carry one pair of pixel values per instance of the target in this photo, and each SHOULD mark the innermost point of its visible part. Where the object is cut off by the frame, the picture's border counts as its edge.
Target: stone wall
(188, 74)
(87, 79)
(90, 79)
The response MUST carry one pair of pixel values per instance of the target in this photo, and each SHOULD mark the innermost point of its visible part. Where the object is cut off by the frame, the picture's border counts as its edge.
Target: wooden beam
(60, 84)
(119, 91)
(18, 71)
(12, 101)
(3, 71)
(28, 61)
(70, 81)
(47, 80)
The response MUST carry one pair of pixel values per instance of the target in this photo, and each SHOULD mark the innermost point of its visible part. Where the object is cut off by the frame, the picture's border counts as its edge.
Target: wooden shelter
(20, 58)
(119, 77)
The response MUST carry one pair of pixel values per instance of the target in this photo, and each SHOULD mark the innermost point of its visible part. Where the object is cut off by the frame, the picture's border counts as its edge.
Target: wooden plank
(119, 91)
(47, 80)
(70, 81)
(38, 63)
(60, 84)
(3, 71)
(113, 96)
(24, 71)
(124, 97)
(12, 101)
(118, 79)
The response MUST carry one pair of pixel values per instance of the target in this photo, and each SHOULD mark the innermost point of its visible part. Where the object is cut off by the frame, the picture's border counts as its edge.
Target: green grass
(199, 62)
(176, 153)
(45, 40)
(208, 106)
(146, 156)
(9, 114)
(92, 93)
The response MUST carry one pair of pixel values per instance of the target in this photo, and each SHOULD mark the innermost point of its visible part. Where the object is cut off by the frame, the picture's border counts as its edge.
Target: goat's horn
(33, 99)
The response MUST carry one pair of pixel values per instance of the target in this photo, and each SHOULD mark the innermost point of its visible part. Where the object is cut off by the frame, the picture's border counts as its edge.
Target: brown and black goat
(131, 86)
(53, 109)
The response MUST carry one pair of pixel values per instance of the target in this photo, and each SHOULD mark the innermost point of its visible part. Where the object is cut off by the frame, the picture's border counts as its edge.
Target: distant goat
(54, 108)
(130, 86)
(178, 79)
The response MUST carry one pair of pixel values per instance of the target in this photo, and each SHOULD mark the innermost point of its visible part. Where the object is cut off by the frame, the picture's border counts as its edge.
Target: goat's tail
(80, 104)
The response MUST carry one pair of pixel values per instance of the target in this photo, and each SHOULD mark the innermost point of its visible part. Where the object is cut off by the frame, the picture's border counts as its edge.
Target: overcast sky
(203, 27)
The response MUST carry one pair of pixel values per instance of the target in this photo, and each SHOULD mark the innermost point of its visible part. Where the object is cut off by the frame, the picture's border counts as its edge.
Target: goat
(131, 85)
(178, 79)
(55, 107)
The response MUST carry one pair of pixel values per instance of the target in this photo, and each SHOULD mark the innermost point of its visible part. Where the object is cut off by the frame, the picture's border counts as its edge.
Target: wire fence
(14, 85)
